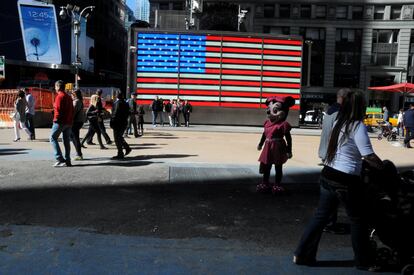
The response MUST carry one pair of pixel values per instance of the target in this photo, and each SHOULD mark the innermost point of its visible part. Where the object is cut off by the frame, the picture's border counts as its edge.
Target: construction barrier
(44, 104)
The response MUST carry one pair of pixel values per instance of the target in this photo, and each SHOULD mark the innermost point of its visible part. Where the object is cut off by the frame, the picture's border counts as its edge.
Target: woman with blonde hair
(92, 115)
(19, 116)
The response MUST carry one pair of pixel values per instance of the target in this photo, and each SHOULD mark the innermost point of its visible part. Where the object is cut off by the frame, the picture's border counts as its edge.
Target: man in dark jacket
(119, 122)
(62, 123)
(409, 126)
(132, 119)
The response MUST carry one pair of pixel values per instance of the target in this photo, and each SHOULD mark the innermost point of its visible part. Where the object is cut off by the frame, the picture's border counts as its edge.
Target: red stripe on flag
(156, 91)
(204, 103)
(241, 94)
(212, 71)
(270, 73)
(241, 72)
(280, 84)
(282, 63)
(156, 80)
(283, 42)
(240, 105)
(213, 38)
(242, 39)
(241, 83)
(199, 81)
(199, 92)
(233, 61)
(213, 49)
(239, 50)
(277, 52)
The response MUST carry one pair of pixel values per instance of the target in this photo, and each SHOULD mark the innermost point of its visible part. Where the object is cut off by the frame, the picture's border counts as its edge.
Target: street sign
(2, 67)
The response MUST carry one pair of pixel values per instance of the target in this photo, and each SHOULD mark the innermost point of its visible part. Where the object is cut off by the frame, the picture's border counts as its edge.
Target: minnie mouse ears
(287, 101)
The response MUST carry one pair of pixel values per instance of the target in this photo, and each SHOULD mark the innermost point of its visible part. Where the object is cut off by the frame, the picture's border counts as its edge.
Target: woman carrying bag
(92, 114)
(19, 115)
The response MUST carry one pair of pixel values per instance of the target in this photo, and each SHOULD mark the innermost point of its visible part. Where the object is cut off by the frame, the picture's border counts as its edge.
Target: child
(277, 142)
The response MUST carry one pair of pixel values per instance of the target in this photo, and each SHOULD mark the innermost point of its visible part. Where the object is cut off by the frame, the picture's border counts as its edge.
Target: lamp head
(62, 13)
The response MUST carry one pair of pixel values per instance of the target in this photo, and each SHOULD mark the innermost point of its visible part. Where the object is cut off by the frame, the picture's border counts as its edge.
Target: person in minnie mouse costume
(277, 142)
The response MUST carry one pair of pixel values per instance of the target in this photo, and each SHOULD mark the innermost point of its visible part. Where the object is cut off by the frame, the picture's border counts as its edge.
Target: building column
(403, 51)
(366, 49)
(329, 69)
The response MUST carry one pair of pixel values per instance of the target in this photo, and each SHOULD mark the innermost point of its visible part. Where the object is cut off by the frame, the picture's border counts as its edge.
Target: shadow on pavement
(121, 163)
(13, 151)
(347, 263)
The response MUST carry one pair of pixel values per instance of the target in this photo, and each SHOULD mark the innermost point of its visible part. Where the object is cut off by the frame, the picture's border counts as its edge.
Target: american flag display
(217, 70)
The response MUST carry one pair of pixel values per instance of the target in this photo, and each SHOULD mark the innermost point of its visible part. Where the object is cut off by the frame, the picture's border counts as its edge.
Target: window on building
(341, 12)
(305, 11)
(396, 12)
(178, 6)
(347, 57)
(269, 10)
(280, 30)
(379, 12)
(317, 36)
(384, 47)
(320, 11)
(357, 12)
(284, 11)
(259, 10)
(164, 6)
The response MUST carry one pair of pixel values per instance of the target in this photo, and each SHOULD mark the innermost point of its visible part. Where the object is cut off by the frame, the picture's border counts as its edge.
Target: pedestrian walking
(327, 126)
(277, 143)
(386, 114)
(119, 121)
(174, 113)
(101, 121)
(400, 123)
(30, 112)
(154, 110)
(141, 113)
(19, 116)
(341, 180)
(78, 120)
(168, 111)
(178, 110)
(409, 126)
(62, 124)
(132, 118)
(92, 113)
(187, 110)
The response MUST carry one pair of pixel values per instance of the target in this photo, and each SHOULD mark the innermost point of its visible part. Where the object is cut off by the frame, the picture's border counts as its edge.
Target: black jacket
(120, 113)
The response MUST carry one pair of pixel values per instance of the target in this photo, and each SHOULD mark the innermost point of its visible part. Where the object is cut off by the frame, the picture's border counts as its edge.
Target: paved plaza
(183, 202)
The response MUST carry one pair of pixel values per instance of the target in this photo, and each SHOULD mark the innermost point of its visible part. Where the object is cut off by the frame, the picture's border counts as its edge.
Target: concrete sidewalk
(167, 155)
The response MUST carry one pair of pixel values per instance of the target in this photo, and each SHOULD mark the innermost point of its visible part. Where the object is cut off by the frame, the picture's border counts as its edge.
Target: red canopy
(401, 87)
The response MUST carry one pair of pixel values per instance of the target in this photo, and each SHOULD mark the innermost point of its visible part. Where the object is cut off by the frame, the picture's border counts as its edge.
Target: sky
(132, 4)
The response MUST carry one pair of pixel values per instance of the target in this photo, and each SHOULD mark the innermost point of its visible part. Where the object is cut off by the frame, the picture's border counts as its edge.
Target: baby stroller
(391, 216)
(387, 131)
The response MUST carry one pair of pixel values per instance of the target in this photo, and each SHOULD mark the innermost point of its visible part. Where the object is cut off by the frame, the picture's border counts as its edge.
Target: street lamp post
(72, 11)
(309, 43)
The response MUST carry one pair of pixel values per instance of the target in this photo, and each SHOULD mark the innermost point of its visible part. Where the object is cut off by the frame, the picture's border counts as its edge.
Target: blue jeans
(154, 117)
(352, 196)
(57, 129)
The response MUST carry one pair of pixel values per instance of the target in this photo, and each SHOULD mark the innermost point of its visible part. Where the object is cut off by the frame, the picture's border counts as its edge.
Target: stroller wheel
(384, 255)
(408, 269)
(379, 136)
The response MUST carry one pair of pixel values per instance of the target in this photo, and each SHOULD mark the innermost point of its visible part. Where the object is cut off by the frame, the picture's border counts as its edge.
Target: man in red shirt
(62, 123)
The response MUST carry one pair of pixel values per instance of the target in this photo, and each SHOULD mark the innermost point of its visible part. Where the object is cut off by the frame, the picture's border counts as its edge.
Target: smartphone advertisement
(40, 33)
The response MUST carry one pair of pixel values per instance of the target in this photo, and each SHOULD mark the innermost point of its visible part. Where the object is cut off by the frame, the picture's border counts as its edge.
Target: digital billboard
(217, 70)
(40, 32)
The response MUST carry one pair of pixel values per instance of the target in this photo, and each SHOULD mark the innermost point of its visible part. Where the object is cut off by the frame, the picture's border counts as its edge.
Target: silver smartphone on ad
(40, 31)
